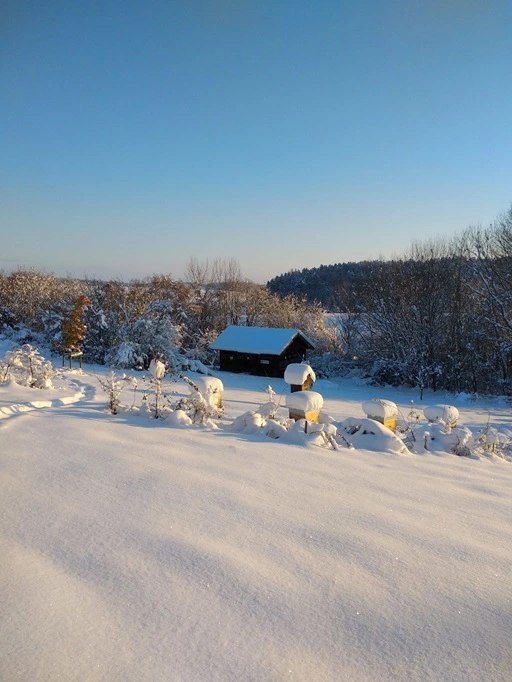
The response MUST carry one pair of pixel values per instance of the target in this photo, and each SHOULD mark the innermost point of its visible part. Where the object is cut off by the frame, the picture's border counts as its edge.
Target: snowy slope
(136, 551)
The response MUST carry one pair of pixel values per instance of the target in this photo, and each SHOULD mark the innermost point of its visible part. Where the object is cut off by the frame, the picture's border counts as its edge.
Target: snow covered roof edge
(258, 340)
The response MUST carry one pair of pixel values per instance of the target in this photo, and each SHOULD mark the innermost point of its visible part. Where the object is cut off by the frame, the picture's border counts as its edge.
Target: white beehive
(446, 413)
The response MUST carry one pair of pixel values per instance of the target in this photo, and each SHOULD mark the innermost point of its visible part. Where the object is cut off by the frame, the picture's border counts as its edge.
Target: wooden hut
(260, 350)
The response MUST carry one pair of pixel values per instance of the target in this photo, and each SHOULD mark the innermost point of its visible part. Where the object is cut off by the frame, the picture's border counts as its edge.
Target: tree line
(439, 317)
(126, 324)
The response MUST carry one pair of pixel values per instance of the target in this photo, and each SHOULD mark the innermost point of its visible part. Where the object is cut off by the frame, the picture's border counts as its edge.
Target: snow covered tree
(28, 367)
(28, 294)
(490, 281)
(152, 334)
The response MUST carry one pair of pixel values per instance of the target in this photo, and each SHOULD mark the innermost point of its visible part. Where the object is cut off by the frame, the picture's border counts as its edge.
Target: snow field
(136, 550)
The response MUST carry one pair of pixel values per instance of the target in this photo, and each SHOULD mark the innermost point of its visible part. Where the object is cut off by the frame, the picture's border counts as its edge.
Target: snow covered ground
(134, 550)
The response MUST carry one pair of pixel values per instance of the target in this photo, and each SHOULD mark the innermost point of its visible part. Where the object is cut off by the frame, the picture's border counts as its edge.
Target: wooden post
(76, 354)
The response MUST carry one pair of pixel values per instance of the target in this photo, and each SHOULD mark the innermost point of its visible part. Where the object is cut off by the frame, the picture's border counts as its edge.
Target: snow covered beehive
(304, 405)
(383, 411)
(299, 376)
(446, 413)
(211, 389)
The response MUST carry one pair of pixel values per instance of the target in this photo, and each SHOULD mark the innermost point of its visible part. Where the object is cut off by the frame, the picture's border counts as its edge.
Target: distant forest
(336, 287)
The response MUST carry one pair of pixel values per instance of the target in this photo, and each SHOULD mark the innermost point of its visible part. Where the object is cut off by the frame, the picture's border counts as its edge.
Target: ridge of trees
(332, 286)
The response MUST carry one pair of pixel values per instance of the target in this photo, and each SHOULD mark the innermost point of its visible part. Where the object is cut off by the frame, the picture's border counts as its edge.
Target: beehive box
(446, 413)
(299, 376)
(383, 411)
(304, 405)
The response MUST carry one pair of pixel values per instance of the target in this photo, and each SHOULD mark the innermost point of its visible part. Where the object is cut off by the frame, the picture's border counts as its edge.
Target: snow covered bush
(332, 364)
(211, 389)
(7, 318)
(6, 367)
(126, 354)
(26, 365)
(369, 434)
(407, 425)
(154, 401)
(248, 422)
(113, 385)
(440, 437)
(202, 405)
(490, 440)
(267, 422)
(127, 326)
(270, 408)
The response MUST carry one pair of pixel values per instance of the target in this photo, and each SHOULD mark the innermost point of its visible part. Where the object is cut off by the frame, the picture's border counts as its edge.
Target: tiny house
(262, 351)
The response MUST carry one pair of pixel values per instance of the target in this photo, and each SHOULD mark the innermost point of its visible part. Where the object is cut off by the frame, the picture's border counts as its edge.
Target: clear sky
(282, 133)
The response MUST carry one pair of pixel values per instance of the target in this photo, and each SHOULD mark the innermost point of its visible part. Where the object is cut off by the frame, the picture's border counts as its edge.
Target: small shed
(262, 351)
(300, 376)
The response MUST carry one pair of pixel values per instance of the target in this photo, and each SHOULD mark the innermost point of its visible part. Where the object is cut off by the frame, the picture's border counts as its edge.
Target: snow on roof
(270, 341)
(297, 373)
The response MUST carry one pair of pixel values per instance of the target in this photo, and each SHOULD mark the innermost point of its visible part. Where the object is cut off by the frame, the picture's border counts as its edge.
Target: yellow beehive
(304, 405)
(383, 411)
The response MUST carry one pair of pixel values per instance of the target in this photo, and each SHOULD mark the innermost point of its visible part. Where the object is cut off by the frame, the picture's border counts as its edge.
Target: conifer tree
(73, 329)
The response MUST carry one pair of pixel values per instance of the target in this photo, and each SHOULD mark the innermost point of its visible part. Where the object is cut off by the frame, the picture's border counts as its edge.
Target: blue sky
(284, 134)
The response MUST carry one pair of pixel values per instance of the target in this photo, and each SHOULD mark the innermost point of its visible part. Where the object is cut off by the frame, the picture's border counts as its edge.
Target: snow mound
(248, 422)
(445, 413)
(207, 385)
(179, 418)
(369, 434)
(27, 399)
